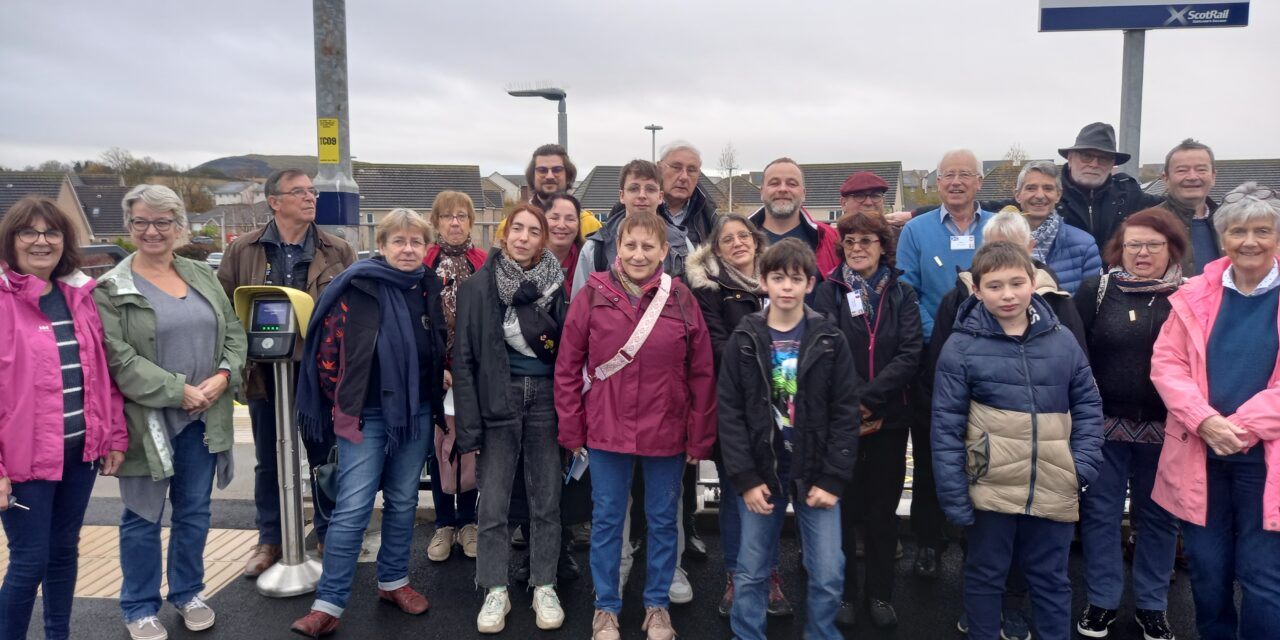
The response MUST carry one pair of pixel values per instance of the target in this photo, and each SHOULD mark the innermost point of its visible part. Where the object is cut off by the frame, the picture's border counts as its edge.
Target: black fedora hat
(1098, 136)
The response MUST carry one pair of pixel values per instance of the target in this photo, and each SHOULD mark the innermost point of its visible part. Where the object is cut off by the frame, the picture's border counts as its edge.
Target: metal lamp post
(550, 93)
(654, 129)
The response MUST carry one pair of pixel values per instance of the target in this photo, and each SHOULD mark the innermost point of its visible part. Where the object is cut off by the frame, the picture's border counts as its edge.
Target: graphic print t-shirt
(785, 347)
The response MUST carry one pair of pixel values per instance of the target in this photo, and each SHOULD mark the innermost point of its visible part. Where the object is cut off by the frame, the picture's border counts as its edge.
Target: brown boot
(261, 559)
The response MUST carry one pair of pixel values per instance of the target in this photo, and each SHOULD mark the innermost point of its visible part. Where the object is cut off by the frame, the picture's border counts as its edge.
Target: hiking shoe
(1014, 625)
(409, 600)
(196, 614)
(846, 615)
(779, 606)
(441, 544)
(493, 615)
(148, 628)
(1155, 626)
(546, 608)
(1095, 622)
(315, 624)
(726, 601)
(261, 557)
(694, 547)
(657, 624)
(680, 592)
(468, 537)
(882, 614)
(604, 626)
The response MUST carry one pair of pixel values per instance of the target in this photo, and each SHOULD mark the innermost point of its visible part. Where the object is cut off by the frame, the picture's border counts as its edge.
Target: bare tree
(729, 164)
(192, 191)
(1016, 155)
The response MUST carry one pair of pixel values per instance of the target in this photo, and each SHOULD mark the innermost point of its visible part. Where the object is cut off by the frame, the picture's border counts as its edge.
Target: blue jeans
(610, 488)
(43, 549)
(823, 561)
(189, 492)
(1042, 547)
(730, 517)
(1234, 547)
(1101, 510)
(363, 469)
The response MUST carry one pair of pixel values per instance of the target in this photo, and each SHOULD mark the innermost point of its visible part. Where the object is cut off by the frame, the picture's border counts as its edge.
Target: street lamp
(550, 93)
(655, 128)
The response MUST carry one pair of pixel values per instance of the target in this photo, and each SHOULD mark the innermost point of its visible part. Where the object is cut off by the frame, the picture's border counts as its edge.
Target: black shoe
(846, 616)
(1095, 622)
(882, 614)
(1154, 624)
(521, 573)
(926, 565)
(726, 601)
(518, 541)
(779, 606)
(580, 536)
(694, 547)
(567, 569)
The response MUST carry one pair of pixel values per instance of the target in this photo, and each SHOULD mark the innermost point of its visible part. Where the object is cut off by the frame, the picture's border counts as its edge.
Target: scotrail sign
(1084, 15)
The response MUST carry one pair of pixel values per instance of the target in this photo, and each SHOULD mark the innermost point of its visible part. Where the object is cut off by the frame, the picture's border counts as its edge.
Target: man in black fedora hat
(1094, 198)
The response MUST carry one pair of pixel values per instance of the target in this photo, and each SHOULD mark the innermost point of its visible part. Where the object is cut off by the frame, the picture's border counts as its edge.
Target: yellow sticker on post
(327, 139)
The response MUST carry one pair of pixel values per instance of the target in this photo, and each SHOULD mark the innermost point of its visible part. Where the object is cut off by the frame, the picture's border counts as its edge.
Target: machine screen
(271, 315)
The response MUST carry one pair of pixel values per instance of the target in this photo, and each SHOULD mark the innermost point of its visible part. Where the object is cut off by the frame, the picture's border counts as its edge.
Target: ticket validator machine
(276, 320)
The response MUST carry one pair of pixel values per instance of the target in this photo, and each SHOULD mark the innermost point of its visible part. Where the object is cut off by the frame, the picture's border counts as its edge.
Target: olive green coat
(130, 326)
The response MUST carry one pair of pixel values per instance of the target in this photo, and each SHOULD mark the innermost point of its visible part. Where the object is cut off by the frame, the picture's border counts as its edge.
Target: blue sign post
(1135, 17)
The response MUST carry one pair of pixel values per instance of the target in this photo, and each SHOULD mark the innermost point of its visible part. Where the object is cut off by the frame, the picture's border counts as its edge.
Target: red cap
(862, 181)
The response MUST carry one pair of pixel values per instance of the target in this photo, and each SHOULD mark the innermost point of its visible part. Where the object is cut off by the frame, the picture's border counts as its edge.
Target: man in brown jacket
(290, 251)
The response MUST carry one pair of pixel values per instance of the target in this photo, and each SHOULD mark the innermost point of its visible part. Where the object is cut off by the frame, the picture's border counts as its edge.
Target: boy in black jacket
(788, 432)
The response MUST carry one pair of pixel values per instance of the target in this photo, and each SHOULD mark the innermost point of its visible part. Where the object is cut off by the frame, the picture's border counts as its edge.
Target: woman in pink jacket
(1215, 366)
(653, 404)
(61, 418)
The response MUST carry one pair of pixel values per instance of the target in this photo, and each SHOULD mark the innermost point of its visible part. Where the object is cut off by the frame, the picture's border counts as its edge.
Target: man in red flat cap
(863, 192)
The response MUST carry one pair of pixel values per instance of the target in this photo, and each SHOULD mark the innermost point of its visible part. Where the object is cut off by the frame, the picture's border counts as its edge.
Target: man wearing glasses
(863, 192)
(550, 172)
(289, 251)
(686, 203)
(1094, 198)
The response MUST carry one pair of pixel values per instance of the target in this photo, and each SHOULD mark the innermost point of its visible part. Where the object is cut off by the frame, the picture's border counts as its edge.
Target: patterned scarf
(634, 289)
(1129, 283)
(739, 280)
(1045, 235)
(871, 288)
(527, 326)
(453, 267)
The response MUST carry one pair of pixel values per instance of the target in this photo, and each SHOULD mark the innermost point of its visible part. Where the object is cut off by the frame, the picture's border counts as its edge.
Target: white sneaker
(681, 591)
(148, 628)
(546, 608)
(624, 572)
(493, 615)
(196, 614)
(441, 544)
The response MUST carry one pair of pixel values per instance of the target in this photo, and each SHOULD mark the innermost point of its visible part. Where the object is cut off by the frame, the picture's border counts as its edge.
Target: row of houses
(93, 200)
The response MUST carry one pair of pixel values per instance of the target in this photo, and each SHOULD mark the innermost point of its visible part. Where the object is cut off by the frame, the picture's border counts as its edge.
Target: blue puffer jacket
(1017, 424)
(1073, 257)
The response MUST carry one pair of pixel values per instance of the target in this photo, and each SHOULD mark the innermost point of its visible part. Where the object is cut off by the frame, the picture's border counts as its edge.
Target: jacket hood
(701, 269)
(974, 319)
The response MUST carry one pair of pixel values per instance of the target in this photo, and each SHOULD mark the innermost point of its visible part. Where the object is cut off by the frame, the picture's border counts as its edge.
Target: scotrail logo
(1186, 17)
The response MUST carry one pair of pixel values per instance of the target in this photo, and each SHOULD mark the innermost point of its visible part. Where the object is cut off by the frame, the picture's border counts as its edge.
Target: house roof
(1000, 182)
(102, 208)
(494, 199)
(516, 178)
(96, 180)
(231, 188)
(822, 181)
(16, 185)
(743, 191)
(1232, 173)
(234, 212)
(387, 186)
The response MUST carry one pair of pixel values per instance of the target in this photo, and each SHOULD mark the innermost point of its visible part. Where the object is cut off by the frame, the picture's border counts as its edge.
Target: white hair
(679, 145)
(158, 197)
(1009, 226)
(1244, 204)
(954, 153)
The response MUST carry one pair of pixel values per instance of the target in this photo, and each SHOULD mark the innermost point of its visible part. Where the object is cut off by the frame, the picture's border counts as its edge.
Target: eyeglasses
(29, 236)
(635, 189)
(963, 176)
(140, 225)
(862, 196)
(400, 243)
(298, 192)
(1151, 247)
(453, 217)
(1260, 194)
(690, 170)
(1094, 157)
(728, 240)
(864, 243)
(542, 171)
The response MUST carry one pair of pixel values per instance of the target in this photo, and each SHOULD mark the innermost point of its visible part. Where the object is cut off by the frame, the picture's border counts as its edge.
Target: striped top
(54, 306)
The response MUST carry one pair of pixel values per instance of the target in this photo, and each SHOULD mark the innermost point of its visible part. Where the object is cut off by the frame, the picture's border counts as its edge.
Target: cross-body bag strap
(647, 321)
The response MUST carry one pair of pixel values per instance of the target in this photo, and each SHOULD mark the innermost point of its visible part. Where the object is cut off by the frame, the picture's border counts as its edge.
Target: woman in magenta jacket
(61, 418)
(1216, 365)
(658, 411)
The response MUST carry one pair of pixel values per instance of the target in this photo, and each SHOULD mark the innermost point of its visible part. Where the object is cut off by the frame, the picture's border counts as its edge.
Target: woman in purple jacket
(61, 418)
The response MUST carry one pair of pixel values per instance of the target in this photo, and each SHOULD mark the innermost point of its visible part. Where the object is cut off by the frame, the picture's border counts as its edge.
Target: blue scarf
(397, 357)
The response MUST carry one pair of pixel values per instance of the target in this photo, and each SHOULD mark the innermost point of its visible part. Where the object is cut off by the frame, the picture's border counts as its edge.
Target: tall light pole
(655, 128)
(550, 93)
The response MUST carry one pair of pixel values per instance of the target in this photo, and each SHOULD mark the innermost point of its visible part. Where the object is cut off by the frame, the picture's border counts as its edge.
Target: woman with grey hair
(1215, 366)
(176, 349)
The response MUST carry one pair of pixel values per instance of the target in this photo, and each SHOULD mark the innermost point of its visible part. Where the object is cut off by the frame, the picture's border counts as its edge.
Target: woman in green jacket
(176, 349)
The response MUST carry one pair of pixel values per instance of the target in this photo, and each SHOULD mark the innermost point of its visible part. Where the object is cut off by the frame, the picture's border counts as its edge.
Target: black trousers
(926, 514)
(872, 501)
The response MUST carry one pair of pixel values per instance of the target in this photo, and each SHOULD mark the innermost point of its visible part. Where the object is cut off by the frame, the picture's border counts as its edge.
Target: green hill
(256, 165)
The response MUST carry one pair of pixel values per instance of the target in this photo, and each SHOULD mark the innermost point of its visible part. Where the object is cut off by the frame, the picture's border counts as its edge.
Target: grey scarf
(545, 278)
(1045, 235)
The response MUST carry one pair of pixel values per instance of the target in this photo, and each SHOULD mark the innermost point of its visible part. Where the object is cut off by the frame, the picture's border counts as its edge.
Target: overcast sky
(820, 81)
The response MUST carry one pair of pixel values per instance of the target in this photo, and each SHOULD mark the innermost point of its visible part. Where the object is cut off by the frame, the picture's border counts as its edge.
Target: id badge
(963, 243)
(854, 298)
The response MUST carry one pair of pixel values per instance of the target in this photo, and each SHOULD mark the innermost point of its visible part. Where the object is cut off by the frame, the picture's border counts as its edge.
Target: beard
(781, 208)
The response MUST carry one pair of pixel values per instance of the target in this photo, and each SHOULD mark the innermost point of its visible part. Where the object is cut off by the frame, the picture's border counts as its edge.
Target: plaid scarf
(633, 288)
(1045, 235)
(1129, 283)
(871, 288)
